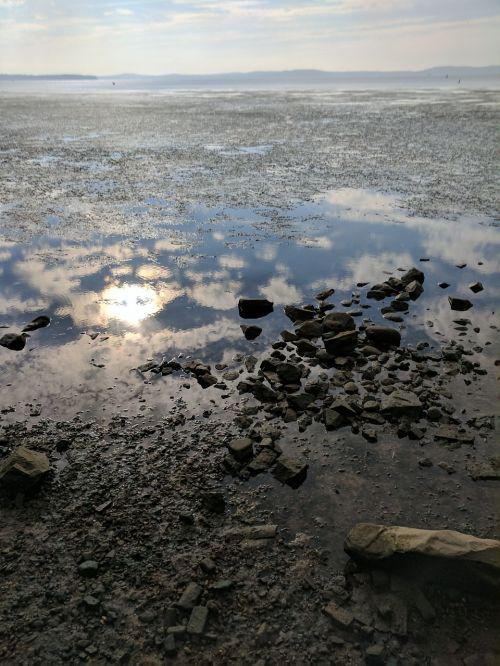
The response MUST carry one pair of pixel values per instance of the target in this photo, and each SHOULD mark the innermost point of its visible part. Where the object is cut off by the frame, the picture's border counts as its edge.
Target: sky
(211, 36)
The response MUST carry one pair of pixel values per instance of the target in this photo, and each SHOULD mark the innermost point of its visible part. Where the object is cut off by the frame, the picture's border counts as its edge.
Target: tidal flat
(137, 222)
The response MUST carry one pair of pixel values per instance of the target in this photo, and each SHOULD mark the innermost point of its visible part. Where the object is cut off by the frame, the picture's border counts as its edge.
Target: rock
(383, 336)
(412, 275)
(340, 344)
(291, 471)
(333, 419)
(476, 287)
(338, 322)
(213, 502)
(208, 566)
(256, 532)
(344, 407)
(434, 413)
(23, 469)
(401, 402)
(306, 348)
(425, 462)
(241, 449)
(414, 289)
(14, 341)
(263, 393)
(460, 265)
(392, 316)
(443, 285)
(369, 541)
(37, 322)
(310, 329)
(486, 471)
(88, 569)
(300, 401)
(230, 375)
(460, 304)
(262, 462)
(288, 336)
(299, 314)
(251, 332)
(190, 596)
(375, 654)
(207, 380)
(254, 308)
(369, 434)
(323, 295)
(197, 620)
(289, 373)
(169, 645)
(453, 434)
(340, 616)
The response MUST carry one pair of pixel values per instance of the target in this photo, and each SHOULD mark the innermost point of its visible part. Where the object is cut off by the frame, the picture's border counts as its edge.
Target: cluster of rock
(17, 341)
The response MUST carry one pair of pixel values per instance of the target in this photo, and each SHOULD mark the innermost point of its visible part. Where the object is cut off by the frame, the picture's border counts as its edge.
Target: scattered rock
(197, 620)
(401, 402)
(485, 471)
(291, 471)
(323, 295)
(383, 336)
(241, 449)
(476, 287)
(190, 596)
(14, 341)
(88, 569)
(340, 616)
(37, 322)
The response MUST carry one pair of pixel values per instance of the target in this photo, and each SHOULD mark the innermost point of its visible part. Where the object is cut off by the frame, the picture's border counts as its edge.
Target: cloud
(11, 3)
(119, 12)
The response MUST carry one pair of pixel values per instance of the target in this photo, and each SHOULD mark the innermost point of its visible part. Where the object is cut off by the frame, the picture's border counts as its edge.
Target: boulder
(369, 541)
(338, 322)
(476, 287)
(241, 448)
(460, 304)
(333, 419)
(323, 295)
(253, 308)
(23, 469)
(401, 402)
(414, 289)
(383, 336)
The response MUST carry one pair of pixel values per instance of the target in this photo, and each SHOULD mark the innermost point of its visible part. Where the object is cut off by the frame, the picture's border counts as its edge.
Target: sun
(131, 303)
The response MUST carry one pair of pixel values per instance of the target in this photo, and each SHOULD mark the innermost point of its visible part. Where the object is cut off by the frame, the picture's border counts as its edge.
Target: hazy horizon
(200, 37)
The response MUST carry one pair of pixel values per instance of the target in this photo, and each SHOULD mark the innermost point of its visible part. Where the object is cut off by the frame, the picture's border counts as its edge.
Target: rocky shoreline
(129, 543)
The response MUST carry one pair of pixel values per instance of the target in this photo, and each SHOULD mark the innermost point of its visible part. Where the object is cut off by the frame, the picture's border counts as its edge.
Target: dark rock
(88, 569)
(460, 304)
(411, 275)
(288, 336)
(340, 616)
(291, 471)
(251, 332)
(310, 329)
(262, 392)
(262, 461)
(306, 348)
(323, 295)
(383, 336)
(241, 449)
(414, 289)
(333, 419)
(197, 620)
(300, 401)
(340, 344)
(375, 654)
(476, 287)
(289, 373)
(23, 469)
(338, 322)
(486, 471)
(452, 434)
(207, 380)
(369, 434)
(254, 308)
(299, 314)
(190, 596)
(37, 322)
(443, 285)
(14, 341)
(213, 502)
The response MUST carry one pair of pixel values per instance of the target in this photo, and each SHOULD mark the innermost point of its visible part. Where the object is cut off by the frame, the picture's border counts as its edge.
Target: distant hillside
(47, 77)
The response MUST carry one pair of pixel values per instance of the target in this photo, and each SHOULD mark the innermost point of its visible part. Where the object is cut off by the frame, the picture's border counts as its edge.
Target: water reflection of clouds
(231, 261)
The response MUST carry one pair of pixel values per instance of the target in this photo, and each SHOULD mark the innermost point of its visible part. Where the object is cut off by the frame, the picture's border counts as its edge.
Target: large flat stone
(401, 402)
(369, 541)
(23, 468)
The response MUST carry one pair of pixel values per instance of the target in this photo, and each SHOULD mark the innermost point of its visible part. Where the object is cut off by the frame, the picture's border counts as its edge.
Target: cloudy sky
(207, 36)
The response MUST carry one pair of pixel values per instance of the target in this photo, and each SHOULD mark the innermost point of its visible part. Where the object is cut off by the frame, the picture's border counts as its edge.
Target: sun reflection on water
(131, 303)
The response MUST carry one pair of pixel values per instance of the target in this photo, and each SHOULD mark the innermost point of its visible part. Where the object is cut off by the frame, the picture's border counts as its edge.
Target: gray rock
(299, 314)
(190, 596)
(401, 402)
(300, 401)
(257, 532)
(291, 471)
(452, 433)
(36, 323)
(241, 449)
(411, 275)
(414, 289)
(197, 620)
(88, 568)
(323, 295)
(339, 616)
(340, 344)
(14, 341)
(254, 308)
(485, 471)
(262, 462)
(24, 469)
(333, 419)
